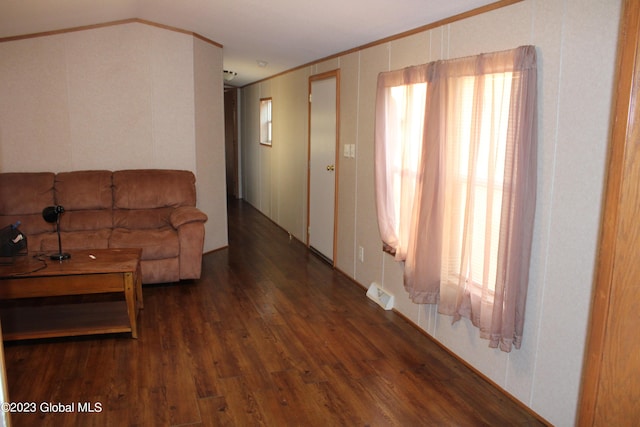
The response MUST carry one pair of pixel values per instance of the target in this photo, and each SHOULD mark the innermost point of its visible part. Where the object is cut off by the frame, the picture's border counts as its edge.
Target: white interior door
(322, 165)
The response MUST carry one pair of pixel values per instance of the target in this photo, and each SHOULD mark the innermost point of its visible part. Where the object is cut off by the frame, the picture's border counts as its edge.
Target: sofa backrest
(87, 199)
(153, 188)
(144, 198)
(22, 198)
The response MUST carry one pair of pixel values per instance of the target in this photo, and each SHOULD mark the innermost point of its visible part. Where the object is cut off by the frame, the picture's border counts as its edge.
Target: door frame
(607, 368)
(324, 76)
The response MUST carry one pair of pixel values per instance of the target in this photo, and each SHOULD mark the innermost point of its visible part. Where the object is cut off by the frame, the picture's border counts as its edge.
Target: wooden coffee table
(87, 272)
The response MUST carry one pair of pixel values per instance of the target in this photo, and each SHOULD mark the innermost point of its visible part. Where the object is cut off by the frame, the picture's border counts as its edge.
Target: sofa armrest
(186, 214)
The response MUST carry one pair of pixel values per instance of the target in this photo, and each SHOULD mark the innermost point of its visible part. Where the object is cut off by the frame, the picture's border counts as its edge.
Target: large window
(455, 184)
(266, 121)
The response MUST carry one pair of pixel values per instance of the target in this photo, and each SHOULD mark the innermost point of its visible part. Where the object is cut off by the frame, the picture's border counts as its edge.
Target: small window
(266, 123)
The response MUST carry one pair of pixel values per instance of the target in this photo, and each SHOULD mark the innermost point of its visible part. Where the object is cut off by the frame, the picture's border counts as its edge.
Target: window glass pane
(478, 151)
(266, 122)
(405, 127)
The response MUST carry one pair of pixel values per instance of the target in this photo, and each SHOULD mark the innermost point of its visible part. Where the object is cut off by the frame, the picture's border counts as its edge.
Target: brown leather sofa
(152, 209)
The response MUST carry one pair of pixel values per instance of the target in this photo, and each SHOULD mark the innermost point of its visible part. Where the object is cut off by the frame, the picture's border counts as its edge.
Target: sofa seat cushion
(86, 220)
(29, 223)
(88, 239)
(156, 244)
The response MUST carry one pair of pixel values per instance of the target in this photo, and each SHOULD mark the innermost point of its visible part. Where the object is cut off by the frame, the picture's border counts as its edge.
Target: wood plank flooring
(270, 336)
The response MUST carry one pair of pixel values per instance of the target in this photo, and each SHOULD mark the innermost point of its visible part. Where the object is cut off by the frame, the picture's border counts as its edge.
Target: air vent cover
(381, 297)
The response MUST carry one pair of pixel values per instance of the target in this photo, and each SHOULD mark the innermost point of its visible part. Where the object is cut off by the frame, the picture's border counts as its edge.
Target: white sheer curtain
(401, 100)
(471, 217)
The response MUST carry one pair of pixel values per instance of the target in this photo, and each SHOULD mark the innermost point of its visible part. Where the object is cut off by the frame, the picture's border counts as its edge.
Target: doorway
(231, 141)
(324, 104)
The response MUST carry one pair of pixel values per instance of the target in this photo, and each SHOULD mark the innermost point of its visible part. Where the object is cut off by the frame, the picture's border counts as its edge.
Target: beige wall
(576, 43)
(274, 177)
(209, 141)
(118, 97)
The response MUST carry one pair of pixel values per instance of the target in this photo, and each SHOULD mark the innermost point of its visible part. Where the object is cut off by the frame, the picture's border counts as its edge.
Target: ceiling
(283, 33)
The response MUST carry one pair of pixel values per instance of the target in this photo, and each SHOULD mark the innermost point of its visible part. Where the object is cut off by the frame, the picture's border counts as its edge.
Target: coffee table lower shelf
(64, 320)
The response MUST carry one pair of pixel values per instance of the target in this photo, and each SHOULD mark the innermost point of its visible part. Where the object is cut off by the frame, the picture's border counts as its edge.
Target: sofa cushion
(86, 220)
(141, 219)
(83, 190)
(157, 244)
(138, 189)
(22, 198)
(25, 193)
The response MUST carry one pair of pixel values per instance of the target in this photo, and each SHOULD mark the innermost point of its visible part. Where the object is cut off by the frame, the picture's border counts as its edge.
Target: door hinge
(310, 97)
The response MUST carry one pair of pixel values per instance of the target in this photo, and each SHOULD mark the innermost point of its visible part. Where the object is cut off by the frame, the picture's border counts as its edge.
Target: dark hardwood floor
(270, 336)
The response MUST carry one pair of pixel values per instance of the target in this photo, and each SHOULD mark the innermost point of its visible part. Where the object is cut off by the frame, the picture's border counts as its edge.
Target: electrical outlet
(360, 253)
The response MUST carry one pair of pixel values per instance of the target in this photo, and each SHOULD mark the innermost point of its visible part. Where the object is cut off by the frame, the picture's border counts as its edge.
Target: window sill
(388, 249)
